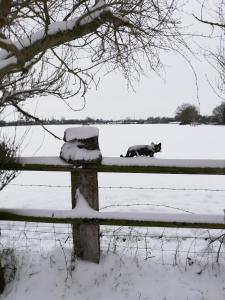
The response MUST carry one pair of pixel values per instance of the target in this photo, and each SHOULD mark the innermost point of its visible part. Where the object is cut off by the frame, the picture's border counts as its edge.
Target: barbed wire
(162, 188)
(146, 204)
(119, 246)
(36, 231)
(131, 241)
(167, 250)
(112, 234)
(122, 244)
(40, 185)
(29, 225)
(106, 230)
(123, 187)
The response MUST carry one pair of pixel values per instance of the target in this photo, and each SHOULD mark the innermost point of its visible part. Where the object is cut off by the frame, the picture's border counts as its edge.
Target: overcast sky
(153, 95)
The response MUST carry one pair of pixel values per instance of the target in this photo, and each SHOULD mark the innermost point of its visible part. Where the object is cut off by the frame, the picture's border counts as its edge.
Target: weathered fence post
(82, 147)
(86, 237)
(2, 279)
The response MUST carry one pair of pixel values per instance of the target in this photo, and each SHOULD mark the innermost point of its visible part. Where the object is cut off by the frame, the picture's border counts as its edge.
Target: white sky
(153, 96)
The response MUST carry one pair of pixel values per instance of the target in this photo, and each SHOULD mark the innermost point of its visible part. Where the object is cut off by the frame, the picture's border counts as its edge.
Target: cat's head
(157, 147)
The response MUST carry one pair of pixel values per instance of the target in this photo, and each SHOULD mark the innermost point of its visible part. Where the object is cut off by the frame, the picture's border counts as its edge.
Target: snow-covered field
(147, 263)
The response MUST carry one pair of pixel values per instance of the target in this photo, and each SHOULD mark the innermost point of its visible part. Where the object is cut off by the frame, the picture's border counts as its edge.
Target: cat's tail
(121, 155)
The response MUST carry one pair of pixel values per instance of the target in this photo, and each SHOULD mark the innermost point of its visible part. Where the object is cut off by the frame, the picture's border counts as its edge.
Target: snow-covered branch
(58, 33)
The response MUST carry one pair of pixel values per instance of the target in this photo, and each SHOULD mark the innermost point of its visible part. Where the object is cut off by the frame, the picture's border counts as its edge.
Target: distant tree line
(185, 114)
(88, 121)
(189, 114)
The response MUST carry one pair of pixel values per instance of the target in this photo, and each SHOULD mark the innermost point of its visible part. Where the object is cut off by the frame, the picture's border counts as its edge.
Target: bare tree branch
(217, 59)
(29, 116)
(209, 22)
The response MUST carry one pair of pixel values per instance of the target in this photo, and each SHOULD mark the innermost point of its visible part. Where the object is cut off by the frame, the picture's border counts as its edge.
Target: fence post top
(80, 133)
(81, 145)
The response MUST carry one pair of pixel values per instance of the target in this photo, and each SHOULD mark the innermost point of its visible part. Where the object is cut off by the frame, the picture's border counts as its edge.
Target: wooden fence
(85, 225)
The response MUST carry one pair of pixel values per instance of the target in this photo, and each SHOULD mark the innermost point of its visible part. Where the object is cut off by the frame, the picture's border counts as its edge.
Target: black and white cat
(145, 150)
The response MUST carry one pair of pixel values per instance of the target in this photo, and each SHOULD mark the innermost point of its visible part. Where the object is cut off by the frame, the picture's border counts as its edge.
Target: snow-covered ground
(147, 263)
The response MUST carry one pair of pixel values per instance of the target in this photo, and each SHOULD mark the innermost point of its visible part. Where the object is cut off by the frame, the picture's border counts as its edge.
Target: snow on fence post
(81, 147)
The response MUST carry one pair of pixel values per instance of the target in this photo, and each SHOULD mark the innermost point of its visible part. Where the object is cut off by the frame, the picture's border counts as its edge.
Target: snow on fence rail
(85, 217)
(127, 165)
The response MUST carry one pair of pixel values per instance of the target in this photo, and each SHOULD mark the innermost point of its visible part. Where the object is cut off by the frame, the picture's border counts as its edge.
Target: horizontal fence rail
(115, 218)
(123, 165)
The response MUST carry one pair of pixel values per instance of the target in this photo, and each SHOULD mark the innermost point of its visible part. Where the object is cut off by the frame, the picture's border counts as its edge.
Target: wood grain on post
(86, 237)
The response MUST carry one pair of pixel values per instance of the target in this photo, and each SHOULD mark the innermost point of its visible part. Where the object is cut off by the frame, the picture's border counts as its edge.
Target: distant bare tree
(187, 114)
(56, 47)
(219, 113)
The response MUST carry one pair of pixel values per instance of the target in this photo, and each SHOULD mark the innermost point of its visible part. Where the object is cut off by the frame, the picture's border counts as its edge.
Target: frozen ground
(149, 263)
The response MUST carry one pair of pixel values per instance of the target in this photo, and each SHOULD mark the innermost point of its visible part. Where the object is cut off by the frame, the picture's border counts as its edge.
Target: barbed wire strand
(124, 235)
(146, 204)
(120, 246)
(123, 187)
